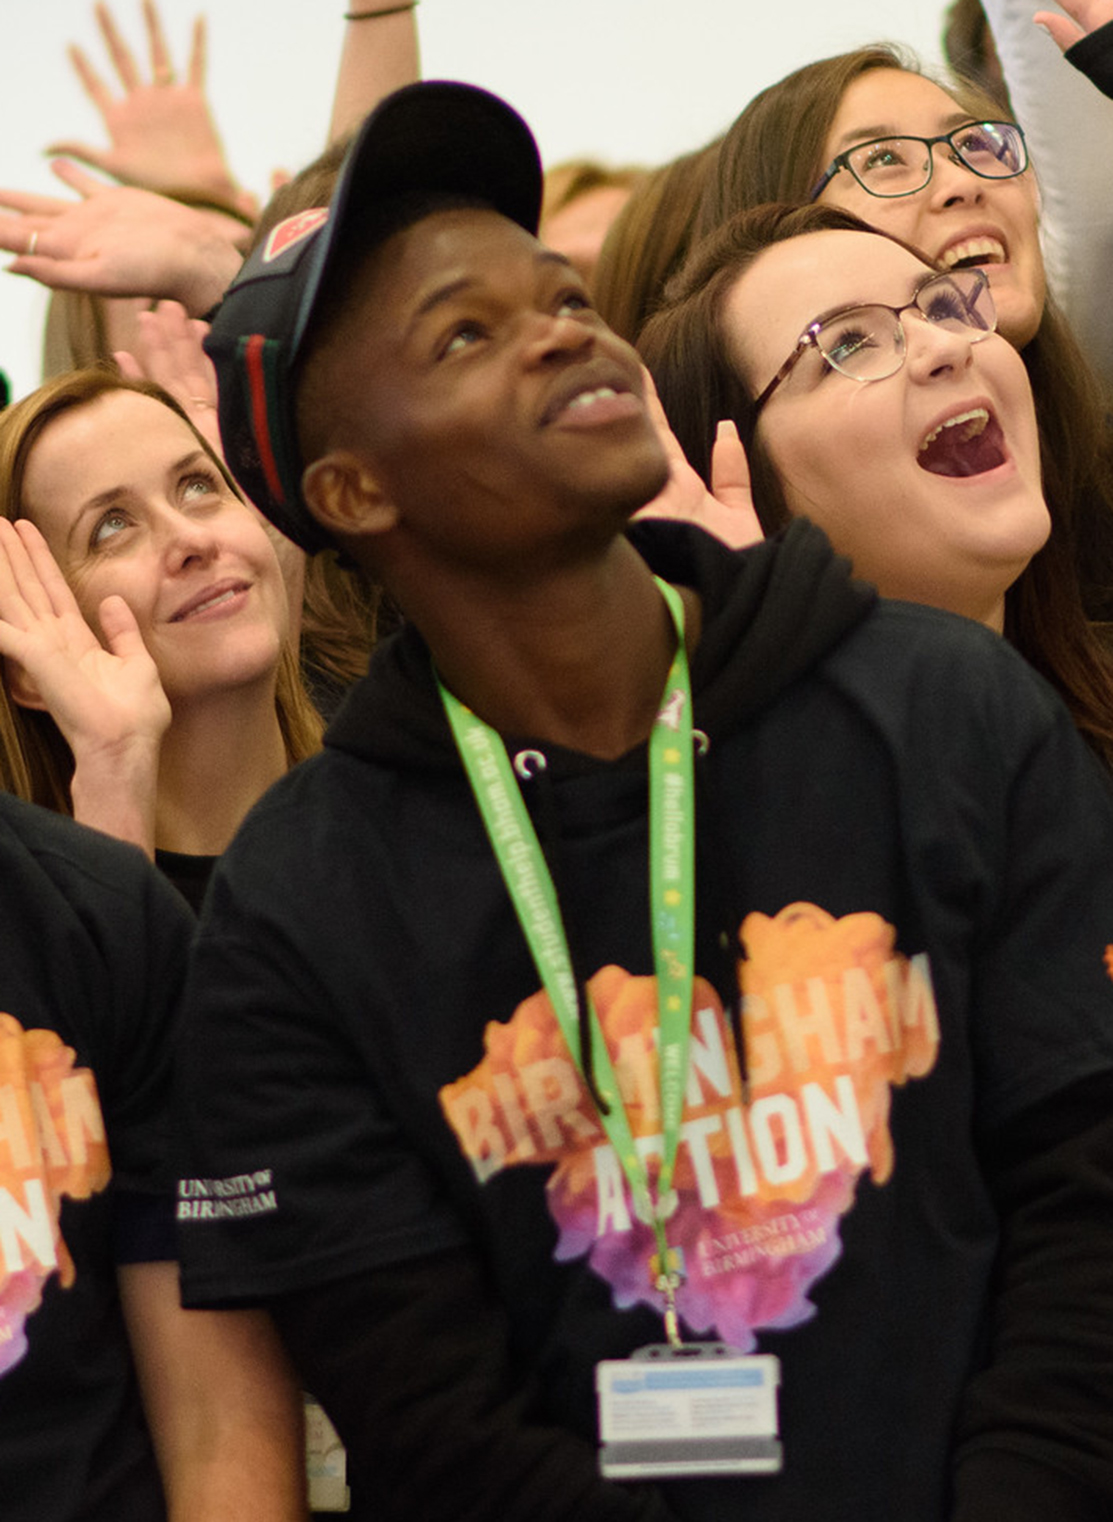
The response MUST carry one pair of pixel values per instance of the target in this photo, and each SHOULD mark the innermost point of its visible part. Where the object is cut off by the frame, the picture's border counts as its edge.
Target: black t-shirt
(94, 947)
(916, 853)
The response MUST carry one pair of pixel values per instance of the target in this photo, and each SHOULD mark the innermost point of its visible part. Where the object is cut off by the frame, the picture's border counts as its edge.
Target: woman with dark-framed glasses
(875, 394)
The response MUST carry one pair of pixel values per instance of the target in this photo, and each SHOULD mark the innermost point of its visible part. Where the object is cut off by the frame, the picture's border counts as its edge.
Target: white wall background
(625, 80)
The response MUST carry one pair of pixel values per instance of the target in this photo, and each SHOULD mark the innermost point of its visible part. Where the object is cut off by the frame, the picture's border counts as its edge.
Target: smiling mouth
(585, 398)
(972, 253)
(968, 444)
(214, 601)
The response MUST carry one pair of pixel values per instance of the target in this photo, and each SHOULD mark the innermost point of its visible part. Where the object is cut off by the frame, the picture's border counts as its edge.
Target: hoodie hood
(769, 614)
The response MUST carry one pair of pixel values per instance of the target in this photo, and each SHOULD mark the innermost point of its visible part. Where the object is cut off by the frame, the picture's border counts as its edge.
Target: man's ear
(21, 689)
(346, 498)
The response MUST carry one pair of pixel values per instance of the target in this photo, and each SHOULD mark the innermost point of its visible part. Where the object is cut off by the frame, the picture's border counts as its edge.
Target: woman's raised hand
(1085, 17)
(120, 241)
(161, 131)
(169, 351)
(106, 699)
(727, 510)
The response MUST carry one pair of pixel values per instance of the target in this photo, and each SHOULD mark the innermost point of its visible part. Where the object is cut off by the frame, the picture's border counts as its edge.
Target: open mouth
(968, 444)
(972, 253)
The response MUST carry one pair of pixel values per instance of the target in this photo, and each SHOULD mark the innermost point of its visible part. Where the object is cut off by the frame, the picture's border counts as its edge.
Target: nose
(934, 350)
(952, 183)
(554, 337)
(188, 541)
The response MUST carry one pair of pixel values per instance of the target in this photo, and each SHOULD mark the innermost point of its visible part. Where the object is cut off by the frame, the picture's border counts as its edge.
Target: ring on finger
(32, 243)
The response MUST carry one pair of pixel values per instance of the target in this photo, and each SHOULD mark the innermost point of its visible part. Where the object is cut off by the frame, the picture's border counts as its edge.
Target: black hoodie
(389, 1143)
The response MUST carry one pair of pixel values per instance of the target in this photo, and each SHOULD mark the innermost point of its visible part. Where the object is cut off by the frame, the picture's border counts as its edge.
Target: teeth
(972, 423)
(973, 248)
(212, 602)
(585, 398)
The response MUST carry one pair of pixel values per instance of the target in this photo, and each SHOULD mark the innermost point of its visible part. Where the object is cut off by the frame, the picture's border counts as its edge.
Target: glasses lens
(959, 300)
(893, 166)
(994, 150)
(866, 344)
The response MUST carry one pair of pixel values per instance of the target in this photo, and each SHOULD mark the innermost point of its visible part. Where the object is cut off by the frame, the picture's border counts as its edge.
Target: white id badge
(326, 1462)
(699, 1409)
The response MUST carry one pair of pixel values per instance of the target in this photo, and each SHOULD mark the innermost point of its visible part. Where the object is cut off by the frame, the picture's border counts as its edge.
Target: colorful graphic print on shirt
(52, 1144)
(833, 1018)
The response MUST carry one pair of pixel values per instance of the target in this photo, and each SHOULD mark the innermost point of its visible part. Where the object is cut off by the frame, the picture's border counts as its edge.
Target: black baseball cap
(436, 137)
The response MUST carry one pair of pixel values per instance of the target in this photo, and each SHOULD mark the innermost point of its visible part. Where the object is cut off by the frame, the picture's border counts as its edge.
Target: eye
(572, 302)
(199, 483)
(944, 304)
(845, 341)
(881, 156)
(107, 526)
(463, 336)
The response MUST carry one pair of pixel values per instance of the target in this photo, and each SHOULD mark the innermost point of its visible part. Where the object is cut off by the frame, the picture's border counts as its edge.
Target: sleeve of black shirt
(1092, 55)
(1035, 1438)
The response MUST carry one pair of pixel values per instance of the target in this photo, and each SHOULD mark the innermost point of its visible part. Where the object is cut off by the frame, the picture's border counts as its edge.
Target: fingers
(730, 470)
(730, 485)
(23, 598)
(29, 204)
(83, 152)
(161, 68)
(118, 50)
(91, 82)
(81, 180)
(1063, 33)
(657, 417)
(119, 627)
(198, 58)
(128, 365)
(40, 577)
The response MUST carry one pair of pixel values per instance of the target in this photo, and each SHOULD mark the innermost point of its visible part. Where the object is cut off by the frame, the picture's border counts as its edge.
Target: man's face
(492, 405)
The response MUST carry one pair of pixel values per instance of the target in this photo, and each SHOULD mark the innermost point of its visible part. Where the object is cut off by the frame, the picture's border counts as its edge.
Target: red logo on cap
(292, 231)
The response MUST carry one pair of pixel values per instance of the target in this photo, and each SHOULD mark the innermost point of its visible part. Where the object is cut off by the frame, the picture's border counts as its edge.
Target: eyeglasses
(867, 343)
(900, 166)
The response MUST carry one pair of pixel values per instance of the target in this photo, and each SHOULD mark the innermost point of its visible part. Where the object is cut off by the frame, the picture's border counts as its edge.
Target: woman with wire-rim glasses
(875, 394)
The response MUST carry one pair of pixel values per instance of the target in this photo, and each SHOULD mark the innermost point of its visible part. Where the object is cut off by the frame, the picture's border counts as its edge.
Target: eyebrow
(442, 294)
(113, 494)
(854, 306)
(867, 134)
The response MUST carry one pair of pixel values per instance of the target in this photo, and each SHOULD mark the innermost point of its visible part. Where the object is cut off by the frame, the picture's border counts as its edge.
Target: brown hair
(774, 151)
(687, 351)
(970, 50)
(648, 241)
(567, 181)
(35, 761)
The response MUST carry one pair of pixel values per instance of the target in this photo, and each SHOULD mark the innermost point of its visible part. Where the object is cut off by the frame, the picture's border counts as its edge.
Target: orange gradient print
(834, 1017)
(52, 1144)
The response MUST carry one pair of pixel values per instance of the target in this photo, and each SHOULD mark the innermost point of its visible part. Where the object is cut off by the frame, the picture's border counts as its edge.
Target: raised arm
(120, 241)
(380, 55)
(161, 132)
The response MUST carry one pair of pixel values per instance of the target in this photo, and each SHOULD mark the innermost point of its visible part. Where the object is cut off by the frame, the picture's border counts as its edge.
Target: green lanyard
(672, 922)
